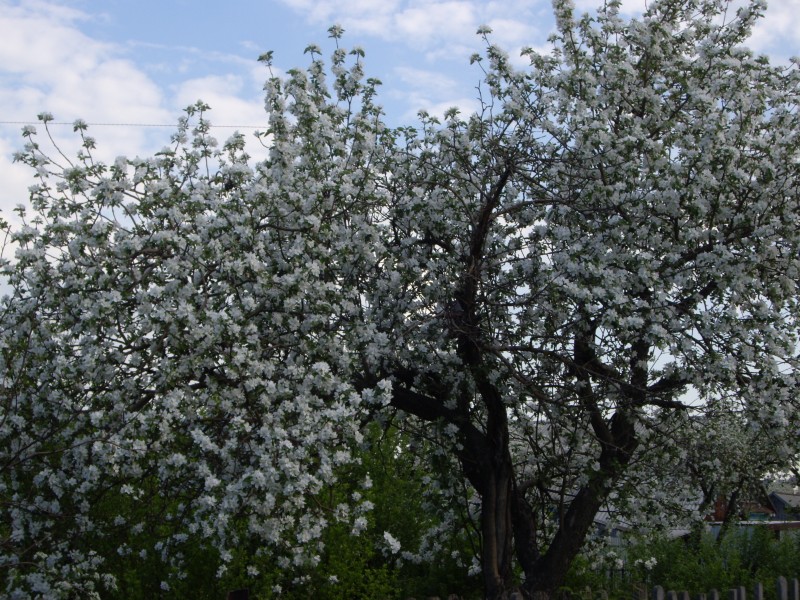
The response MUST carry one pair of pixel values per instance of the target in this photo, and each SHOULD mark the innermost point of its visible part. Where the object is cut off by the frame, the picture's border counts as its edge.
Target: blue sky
(139, 62)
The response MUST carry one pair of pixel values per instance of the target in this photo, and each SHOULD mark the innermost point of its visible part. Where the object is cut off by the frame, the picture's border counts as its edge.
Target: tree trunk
(486, 461)
(549, 571)
(497, 534)
(731, 515)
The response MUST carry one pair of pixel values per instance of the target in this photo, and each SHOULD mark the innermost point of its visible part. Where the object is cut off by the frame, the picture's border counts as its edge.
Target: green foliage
(696, 564)
(743, 557)
(582, 576)
(351, 567)
(362, 566)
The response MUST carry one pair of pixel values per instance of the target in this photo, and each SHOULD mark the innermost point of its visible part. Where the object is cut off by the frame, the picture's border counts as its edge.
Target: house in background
(756, 509)
(786, 503)
(777, 508)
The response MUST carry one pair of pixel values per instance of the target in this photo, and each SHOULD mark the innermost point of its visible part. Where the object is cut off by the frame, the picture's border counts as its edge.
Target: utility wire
(172, 126)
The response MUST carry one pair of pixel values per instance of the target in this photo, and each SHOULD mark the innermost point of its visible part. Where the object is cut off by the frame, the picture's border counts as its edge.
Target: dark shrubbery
(696, 564)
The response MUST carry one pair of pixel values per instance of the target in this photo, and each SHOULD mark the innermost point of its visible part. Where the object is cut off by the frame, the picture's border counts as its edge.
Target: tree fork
(549, 571)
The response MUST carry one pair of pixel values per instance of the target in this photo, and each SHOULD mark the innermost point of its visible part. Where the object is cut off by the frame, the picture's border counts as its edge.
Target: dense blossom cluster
(556, 290)
(173, 341)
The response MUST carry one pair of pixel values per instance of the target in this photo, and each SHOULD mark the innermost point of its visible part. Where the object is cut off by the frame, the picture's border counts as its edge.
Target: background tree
(535, 288)
(734, 465)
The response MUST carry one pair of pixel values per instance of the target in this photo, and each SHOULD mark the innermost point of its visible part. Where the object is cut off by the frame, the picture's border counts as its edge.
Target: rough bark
(549, 571)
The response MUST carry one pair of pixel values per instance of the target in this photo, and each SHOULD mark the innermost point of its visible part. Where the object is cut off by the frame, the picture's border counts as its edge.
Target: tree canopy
(551, 293)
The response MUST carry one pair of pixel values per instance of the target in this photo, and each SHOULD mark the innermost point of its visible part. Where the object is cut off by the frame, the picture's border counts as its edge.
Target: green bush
(350, 567)
(700, 563)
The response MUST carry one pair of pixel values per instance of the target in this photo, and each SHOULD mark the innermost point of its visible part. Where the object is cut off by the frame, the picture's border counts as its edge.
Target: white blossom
(393, 544)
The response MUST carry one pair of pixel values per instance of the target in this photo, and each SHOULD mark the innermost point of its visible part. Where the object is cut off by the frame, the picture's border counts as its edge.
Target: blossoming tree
(546, 288)
(174, 339)
(565, 269)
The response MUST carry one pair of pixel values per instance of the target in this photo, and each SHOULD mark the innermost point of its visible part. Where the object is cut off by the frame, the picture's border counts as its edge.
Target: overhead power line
(172, 125)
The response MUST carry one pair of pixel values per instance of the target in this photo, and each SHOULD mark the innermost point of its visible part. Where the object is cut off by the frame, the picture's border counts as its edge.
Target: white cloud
(779, 31)
(34, 32)
(436, 21)
(357, 16)
(433, 82)
(48, 64)
(224, 94)
(629, 7)
(413, 22)
(227, 97)
(509, 33)
(431, 91)
(420, 34)
(465, 106)
(16, 180)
